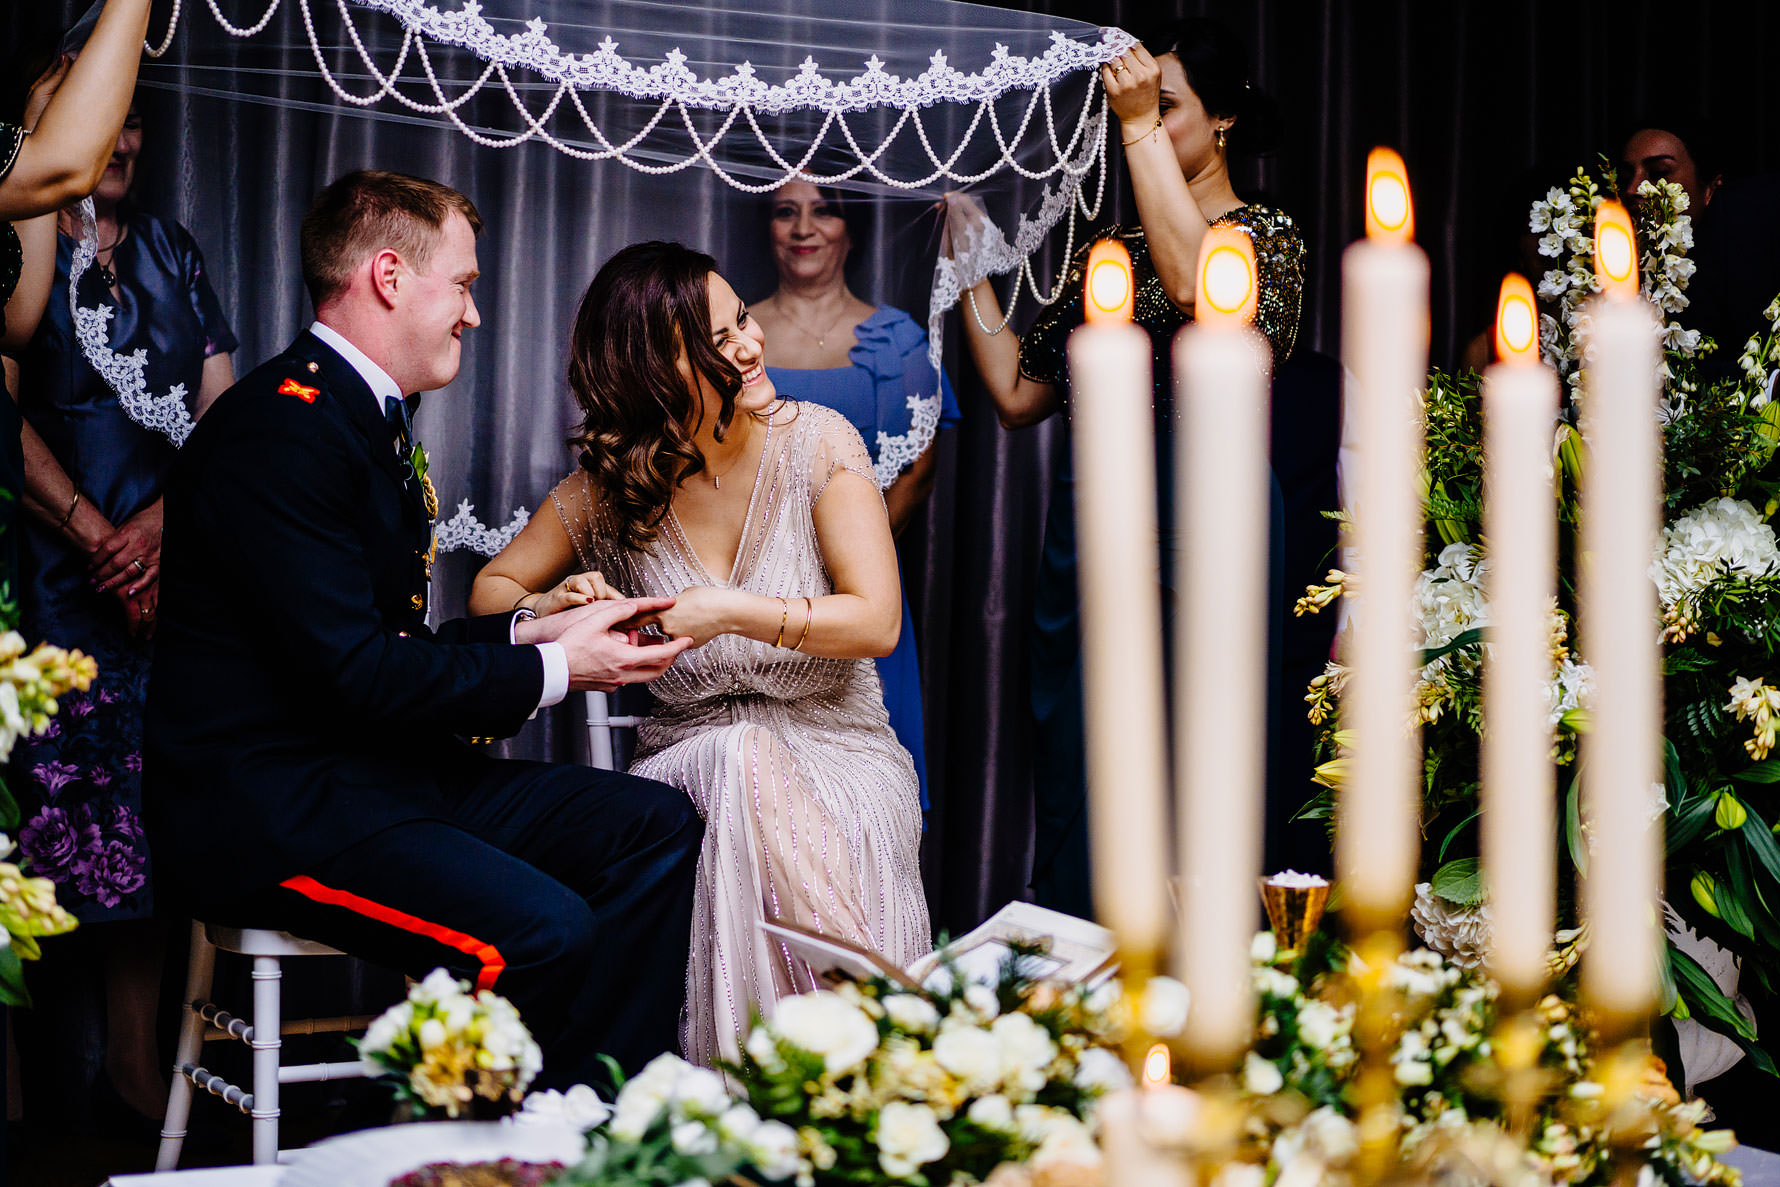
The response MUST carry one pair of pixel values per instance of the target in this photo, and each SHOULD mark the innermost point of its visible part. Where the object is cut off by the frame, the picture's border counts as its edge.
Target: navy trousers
(566, 889)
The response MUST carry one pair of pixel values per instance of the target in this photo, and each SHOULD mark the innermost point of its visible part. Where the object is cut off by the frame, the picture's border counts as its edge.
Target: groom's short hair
(368, 211)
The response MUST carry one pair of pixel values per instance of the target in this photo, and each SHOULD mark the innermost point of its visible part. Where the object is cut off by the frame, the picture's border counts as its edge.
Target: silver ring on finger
(137, 565)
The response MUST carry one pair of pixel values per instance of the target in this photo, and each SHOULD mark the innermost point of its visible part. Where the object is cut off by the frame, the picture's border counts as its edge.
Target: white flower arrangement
(453, 1053)
(1566, 218)
(947, 1083)
(1460, 933)
(1722, 537)
(1300, 1125)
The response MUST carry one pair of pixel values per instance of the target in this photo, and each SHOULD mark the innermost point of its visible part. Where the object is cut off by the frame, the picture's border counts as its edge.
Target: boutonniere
(417, 465)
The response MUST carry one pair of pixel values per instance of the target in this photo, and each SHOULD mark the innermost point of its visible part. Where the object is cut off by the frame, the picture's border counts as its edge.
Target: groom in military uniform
(306, 768)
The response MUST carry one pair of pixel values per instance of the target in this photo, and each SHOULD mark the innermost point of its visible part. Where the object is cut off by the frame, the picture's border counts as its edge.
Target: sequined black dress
(1060, 865)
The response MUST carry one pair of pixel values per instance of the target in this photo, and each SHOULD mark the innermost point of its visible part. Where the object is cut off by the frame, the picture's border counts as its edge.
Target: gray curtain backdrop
(1475, 94)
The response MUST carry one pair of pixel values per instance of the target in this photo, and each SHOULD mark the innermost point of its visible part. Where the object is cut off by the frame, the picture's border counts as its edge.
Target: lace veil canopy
(605, 121)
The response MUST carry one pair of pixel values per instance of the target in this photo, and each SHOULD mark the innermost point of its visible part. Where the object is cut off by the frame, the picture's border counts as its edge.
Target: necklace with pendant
(107, 277)
(821, 340)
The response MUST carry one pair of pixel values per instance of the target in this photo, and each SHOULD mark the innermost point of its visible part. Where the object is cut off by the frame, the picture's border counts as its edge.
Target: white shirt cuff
(556, 674)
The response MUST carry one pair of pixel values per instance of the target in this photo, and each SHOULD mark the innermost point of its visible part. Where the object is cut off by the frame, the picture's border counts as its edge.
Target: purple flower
(99, 777)
(80, 707)
(55, 776)
(133, 761)
(55, 839)
(108, 697)
(121, 823)
(108, 871)
(52, 730)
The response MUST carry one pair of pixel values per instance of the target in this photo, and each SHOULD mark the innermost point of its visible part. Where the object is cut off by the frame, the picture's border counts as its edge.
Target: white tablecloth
(220, 1176)
(1761, 1168)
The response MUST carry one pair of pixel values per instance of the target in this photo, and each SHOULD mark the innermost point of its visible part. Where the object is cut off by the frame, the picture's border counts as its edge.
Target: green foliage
(1722, 784)
(1459, 882)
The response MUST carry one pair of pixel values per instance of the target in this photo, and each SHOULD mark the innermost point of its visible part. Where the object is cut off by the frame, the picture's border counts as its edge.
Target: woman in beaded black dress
(1184, 103)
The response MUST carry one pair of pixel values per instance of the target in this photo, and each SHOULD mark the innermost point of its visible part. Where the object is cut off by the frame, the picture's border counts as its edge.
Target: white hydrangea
(1461, 934)
(1720, 536)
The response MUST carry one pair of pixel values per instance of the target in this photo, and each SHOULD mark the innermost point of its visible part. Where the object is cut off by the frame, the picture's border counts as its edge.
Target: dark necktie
(401, 423)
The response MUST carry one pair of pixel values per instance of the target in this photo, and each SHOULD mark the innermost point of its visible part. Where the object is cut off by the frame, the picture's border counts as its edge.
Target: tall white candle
(1115, 470)
(1384, 344)
(1519, 825)
(1220, 729)
(1621, 755)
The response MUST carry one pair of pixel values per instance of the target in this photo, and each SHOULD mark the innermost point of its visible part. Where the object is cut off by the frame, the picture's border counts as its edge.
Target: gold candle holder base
(1294, 912)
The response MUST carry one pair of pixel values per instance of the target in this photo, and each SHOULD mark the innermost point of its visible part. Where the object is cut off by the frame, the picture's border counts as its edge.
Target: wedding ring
(137, 564)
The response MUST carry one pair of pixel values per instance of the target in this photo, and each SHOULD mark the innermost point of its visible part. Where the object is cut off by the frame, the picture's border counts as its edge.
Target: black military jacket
(298, 703)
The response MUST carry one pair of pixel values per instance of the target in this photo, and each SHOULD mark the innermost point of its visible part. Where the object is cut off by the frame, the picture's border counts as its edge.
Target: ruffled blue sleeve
(914, 398)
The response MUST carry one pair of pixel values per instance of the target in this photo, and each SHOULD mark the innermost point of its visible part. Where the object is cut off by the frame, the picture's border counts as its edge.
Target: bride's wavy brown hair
(647, 304)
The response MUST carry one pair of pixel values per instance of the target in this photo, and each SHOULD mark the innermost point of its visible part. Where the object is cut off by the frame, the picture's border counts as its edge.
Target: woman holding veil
(762, 516)
(1184, 105)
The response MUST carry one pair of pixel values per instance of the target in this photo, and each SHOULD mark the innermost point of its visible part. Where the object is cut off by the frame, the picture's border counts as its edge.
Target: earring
(1221, 134)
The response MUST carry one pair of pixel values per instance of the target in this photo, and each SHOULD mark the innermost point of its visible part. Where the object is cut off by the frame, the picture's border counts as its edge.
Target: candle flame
(1390, 215)
(1616, 251)
(1227, 287)
(1158, 1067)
(1517, 321)
(1109, 288)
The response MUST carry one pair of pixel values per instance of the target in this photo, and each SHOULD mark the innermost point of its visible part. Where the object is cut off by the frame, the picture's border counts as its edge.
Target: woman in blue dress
(89, 577)
(870, 364)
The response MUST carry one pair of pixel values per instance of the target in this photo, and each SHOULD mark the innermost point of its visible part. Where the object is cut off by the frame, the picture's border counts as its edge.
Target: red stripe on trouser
(493, 963)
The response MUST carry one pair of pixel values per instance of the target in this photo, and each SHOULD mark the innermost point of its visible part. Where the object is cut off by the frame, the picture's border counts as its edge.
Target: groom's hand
(600, 656)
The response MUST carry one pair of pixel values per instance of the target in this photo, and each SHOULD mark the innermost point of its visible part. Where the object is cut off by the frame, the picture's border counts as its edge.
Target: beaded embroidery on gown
(811, 806)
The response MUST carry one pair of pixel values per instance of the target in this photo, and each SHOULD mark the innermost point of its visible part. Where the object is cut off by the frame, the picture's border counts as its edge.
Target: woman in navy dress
(88, 578)
(870, 364)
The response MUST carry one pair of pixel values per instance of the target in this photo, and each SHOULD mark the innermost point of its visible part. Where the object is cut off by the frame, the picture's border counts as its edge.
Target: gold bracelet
(1141, 135)
(809, 616)
(784, 609)
(66, 518)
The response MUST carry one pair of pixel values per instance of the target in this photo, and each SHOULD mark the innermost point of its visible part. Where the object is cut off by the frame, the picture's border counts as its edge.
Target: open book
(1071, 950)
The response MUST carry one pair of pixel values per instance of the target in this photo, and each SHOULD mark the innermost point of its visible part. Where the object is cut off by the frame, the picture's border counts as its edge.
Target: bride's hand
(964, 216)
(699, 611)
(577, 589)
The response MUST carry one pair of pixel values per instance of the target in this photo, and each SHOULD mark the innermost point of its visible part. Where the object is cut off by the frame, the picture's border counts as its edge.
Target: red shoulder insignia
(291, 387)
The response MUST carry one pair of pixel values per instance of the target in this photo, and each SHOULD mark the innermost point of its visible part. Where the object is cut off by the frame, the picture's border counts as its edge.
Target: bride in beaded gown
(774, 724)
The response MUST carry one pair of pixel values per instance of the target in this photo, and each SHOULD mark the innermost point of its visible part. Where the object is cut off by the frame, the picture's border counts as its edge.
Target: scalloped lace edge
(607, 70)
(897, 452)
